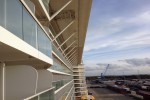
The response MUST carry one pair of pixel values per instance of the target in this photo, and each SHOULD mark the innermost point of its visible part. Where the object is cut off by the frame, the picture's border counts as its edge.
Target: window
(2, 13)
(14, 17)
(29, 28)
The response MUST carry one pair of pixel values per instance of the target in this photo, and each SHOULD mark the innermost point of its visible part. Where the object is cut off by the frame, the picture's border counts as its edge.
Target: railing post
(2, 67)
(71, 54)
(68, 46)
(70, 51)
(56, 13)
(62, 30)
(67, 40)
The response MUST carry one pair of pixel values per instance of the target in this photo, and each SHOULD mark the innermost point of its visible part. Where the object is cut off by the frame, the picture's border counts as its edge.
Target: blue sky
(117, 30)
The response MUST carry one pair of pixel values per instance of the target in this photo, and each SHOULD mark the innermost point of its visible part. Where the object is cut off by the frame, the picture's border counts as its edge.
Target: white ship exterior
(41, 46)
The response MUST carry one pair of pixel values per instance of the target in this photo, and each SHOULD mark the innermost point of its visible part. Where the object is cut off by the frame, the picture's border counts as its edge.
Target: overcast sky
(118, 33)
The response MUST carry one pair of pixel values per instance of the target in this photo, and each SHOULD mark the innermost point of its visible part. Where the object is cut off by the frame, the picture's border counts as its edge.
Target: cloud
(138, 62)
(120, 67)
(142, 18)
(120, 32)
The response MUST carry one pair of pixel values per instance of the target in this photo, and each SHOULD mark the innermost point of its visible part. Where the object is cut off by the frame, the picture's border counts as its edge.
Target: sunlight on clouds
(118, 25)
(116, 33)
(128, 66)
(141, 18)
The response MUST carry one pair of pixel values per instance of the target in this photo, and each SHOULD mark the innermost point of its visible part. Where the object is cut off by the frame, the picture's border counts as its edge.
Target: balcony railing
(60, 83)
(49, 29)
(60, 68)
(44, 95)
(67, 95)
(18, 21)
(61, 56)
(77, 74)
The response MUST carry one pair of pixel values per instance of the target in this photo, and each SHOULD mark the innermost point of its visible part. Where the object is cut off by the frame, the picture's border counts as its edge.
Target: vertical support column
(2, 81)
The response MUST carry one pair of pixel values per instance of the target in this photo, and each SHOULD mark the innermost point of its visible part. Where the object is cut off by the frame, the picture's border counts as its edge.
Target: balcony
(60, 93)
(67, 94)
(79, 90)
(79, 81)
(60, 68)
(77, 74)
(60, 83)
(41, 13)
(57, 52)
(78, 70)
(79, 77)
(22, 25)
(45, 95)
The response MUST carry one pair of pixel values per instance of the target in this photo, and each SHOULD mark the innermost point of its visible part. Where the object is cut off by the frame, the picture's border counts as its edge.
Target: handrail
(39, 93)
(60, 55)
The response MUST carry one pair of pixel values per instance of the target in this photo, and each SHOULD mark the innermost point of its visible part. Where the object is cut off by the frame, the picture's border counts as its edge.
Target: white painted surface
(58, 72)
(44, 80)
(42, 5)
(1, 82)
(20, 82)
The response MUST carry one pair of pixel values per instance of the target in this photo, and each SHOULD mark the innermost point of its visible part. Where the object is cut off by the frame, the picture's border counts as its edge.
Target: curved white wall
(44, 80)
(20, 82)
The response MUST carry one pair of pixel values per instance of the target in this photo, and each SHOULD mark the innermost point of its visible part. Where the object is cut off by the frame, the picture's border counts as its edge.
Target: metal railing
(24, 26)
(44, 95)
(59, 84)
(60, 56)
(60, 68)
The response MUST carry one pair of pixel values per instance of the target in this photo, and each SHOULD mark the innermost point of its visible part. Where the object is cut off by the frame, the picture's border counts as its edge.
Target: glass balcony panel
(61, 68)
(44, 96)
(48, 49)
(56, 85)
(29, 28)
(2, 13)
(52, 29)
(60, 55)
(44, 44)
(35, 98)
(14, 17)
(41, 40)
(21, 23)
(30, 5)
(49, 95)
(60, 83)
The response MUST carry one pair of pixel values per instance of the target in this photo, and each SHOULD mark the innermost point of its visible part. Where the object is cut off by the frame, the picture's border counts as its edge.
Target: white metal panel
(20, 82)
(44, 80)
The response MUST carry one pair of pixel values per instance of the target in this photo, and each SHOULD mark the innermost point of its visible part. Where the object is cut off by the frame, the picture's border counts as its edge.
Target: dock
(106, 94)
